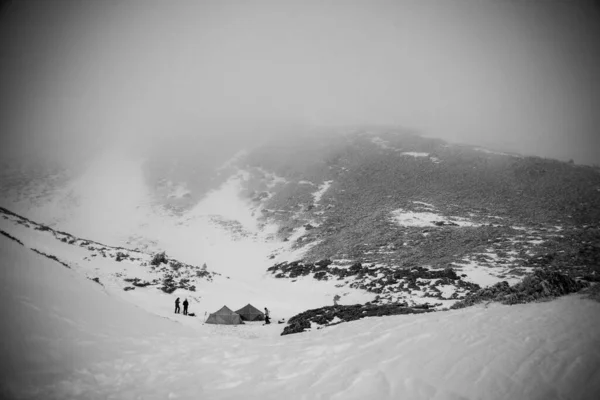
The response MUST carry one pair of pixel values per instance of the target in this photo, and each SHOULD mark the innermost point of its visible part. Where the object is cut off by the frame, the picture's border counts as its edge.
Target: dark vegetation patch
(325, 315)
(538, 286)
(97, 280)
(159, 258)
(8, 235)
(376, 279)
(52, 257)
(170, 284)
(137, 282)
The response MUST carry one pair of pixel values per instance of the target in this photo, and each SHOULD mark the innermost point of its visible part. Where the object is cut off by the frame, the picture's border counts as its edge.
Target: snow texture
(424, 219)
(322, 189)
(415, 154)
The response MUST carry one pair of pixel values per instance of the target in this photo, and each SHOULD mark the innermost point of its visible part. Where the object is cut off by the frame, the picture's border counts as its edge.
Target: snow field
(66, 338)
(283, 297)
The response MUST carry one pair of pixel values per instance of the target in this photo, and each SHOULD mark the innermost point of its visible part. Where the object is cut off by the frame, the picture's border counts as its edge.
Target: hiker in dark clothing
(185, 306)
(177, 309)
(267, 318)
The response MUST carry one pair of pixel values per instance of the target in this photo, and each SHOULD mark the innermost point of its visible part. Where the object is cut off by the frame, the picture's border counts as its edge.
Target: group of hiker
(185, 307)
(186, 304)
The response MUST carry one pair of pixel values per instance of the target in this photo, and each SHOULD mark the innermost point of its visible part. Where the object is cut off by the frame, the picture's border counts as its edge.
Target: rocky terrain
(386, 210)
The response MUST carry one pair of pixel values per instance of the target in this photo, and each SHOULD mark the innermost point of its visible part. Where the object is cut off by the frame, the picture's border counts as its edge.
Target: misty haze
(299, 199)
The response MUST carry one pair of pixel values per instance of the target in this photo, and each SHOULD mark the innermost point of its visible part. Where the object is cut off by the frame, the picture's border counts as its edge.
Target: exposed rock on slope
(539, 285)
(327, 316)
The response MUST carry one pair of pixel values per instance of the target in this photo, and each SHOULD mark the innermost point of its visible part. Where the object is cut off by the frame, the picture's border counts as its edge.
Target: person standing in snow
(185, 306)
(177, 309)
(267, 318)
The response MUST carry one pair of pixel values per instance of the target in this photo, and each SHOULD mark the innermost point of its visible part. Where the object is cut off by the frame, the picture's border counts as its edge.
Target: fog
(511, 75)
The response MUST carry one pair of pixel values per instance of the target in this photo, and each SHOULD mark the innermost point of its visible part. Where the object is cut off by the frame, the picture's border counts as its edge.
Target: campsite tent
(224, 317)
(250, 313)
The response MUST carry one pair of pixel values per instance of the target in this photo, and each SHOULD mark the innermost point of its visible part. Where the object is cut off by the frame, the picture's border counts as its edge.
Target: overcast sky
(511, 75)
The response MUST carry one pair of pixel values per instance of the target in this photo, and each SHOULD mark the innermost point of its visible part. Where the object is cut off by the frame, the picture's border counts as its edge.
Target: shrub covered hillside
(352, 196)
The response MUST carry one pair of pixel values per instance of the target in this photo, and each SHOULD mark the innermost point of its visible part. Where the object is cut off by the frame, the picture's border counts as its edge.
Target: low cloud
(515, 76)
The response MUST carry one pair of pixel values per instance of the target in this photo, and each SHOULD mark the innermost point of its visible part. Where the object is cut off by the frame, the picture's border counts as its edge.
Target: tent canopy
(250, 313)
(224, 317)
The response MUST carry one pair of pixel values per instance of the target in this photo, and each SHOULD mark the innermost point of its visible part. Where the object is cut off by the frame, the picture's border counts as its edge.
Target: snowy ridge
(130, 274)
(118, 265)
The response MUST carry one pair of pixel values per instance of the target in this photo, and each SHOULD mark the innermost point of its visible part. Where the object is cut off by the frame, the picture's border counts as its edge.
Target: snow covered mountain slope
(111, 202)
(55, 321)
(64, 337)
(373, 216)
(361, 202)
(135, 276)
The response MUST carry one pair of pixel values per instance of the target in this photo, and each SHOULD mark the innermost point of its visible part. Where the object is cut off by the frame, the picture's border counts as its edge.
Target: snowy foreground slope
(65, 337)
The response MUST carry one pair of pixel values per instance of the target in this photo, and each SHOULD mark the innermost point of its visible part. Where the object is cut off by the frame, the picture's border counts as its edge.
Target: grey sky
(513, 75)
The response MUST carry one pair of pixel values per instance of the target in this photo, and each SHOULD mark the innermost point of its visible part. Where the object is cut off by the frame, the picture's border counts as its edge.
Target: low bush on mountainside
(176, 265)
(202, 273)
(537, 286)
(169, 285)
(159, 258)
(140, 283)
(325, 315)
